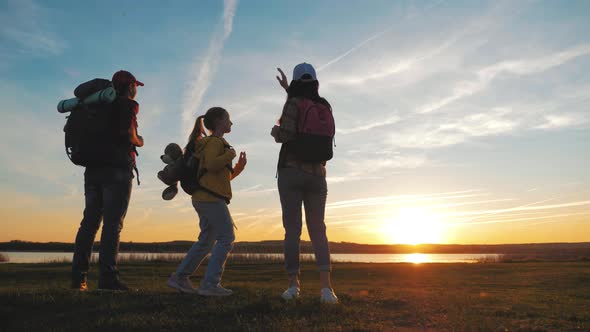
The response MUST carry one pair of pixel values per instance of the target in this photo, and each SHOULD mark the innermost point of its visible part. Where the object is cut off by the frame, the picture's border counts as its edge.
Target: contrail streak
(373, 37)
(201, 80)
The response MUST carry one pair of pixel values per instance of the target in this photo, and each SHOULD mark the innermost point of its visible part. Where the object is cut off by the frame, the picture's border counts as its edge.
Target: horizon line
(339, 242)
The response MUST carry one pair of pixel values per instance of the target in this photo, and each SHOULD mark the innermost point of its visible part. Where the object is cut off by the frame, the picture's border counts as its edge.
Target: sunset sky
(457, 121)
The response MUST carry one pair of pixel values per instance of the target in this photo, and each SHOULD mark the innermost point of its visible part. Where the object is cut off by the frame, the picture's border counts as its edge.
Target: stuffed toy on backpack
(172, 172)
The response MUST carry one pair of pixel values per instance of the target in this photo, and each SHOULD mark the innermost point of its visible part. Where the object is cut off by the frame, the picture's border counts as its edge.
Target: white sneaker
(183, 284)
(328, 296)
(291, 293)
(207, 289)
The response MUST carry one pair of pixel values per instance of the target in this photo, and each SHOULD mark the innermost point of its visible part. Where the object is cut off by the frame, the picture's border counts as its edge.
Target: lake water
(45, 257)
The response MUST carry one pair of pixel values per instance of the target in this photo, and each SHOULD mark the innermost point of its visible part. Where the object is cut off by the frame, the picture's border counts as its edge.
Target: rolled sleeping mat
(67, 105)
(104, 96)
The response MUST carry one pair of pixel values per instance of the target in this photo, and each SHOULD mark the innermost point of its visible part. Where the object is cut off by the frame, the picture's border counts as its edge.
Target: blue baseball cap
(303, 69)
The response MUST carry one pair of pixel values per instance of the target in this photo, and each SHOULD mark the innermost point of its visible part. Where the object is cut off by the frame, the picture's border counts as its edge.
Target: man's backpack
(91, 131)
(315, 132)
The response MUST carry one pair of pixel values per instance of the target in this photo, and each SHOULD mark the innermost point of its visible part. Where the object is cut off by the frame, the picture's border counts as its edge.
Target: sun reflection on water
(417, 258)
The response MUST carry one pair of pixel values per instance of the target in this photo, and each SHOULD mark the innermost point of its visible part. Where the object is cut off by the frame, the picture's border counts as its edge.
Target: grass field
(539, 296)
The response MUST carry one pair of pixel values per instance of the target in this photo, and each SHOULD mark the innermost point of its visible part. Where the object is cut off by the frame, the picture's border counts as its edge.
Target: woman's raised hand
(283, 80)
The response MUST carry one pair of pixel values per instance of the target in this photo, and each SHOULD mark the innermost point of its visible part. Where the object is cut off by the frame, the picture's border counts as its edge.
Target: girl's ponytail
(209, 121)
(196, 135)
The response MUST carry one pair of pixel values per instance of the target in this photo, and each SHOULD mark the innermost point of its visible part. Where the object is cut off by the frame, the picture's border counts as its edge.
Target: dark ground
(537, 296)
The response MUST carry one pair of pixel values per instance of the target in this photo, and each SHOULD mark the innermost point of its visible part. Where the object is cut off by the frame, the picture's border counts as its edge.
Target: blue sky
(467, 118)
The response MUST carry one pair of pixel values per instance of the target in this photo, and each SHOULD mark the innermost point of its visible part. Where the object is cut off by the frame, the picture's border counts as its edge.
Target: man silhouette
(107, 187)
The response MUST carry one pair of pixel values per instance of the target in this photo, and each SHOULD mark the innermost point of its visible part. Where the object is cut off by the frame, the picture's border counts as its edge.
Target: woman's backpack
(315, 132)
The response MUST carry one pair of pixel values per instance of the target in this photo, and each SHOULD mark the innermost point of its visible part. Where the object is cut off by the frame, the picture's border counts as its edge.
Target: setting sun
(413, 226)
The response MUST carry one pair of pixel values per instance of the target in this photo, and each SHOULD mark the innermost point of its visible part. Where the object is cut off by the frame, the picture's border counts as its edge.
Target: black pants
(107, 191)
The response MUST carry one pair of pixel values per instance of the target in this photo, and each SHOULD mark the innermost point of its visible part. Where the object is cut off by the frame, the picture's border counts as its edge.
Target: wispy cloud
(350, 177)
(501, 221)
(398, 66)
(418, 60)
(556, 121)
(389, 121)
(500, 213)
(374, 37)
(19, 159)
(450, 132)
(376, 214)
(556, 216)
(392, 163)
(255, 190)
(519, 208)
(25, 25)
(515, 67)
(386, 200)
(205, 70)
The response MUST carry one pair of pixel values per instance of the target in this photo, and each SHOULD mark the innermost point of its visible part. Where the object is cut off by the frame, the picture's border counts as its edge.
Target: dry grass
(545, 296)
(3, 258)
(491, 259)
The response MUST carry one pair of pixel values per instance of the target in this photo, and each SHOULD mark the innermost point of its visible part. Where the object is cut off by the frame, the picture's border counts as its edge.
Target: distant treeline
(554, 249)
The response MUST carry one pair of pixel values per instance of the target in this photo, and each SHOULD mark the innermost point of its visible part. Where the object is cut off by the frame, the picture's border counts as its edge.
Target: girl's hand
(239, 167)
(242, 161)
(283, 80)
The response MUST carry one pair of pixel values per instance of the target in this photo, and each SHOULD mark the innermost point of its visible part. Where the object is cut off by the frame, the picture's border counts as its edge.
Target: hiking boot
(208, 289)
(182, 284)
(328, 296)
(112, 284)
(291, 293)
(79, 282)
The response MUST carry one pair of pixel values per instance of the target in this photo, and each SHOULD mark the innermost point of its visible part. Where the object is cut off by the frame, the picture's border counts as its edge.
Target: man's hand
(283, 80)
(134, 138)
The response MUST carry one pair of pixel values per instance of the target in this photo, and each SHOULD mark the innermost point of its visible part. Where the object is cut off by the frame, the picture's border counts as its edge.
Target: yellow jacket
(215, 160)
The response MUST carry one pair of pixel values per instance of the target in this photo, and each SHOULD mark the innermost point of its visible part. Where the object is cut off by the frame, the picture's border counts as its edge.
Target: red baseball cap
(123, 77)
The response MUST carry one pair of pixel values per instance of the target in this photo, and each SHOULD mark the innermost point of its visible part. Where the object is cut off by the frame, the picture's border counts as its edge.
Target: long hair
(209, 121)
(195, 136)
(306, 89)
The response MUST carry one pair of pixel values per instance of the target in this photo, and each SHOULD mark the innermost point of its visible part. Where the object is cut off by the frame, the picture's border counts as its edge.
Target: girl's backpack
(189, 173)
(315, 132)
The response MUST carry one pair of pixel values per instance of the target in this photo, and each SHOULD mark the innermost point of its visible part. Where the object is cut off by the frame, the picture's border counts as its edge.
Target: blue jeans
(217, 233)
(107, 191)
(297, 187)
